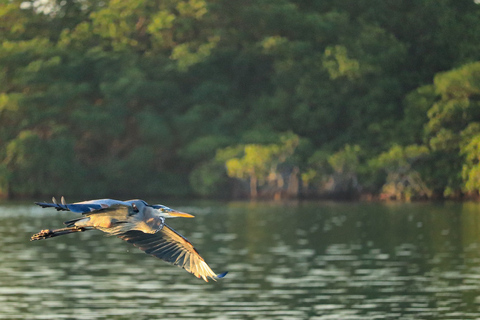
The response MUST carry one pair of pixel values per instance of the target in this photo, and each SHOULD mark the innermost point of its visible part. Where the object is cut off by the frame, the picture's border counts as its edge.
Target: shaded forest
(219, 98)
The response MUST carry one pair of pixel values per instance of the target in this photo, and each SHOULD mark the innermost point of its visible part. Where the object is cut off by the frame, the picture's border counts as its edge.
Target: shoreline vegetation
(271, 99)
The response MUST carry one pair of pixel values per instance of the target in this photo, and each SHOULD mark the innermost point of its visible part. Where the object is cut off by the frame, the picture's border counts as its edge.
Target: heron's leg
(47, 233)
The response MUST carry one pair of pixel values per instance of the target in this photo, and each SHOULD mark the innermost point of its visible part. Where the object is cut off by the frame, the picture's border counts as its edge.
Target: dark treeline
(221, 98)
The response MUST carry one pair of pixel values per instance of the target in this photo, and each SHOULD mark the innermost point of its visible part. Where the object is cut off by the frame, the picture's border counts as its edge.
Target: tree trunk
(293, 183)
(253, 186)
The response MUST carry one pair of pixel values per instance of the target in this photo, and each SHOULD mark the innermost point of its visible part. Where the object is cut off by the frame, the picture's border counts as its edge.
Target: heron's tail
(47, 233)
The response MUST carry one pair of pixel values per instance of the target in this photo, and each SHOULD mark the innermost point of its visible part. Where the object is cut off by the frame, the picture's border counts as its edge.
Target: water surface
(285, 261)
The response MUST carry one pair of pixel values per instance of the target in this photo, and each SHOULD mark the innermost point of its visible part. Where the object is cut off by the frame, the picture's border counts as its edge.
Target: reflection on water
(286, 261)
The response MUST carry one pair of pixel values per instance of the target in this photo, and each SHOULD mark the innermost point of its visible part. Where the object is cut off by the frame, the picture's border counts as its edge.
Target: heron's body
(138, 223)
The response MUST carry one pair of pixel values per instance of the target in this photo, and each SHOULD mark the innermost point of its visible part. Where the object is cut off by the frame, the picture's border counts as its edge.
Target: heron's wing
(83, 207)
(109, 219)
(169, 245)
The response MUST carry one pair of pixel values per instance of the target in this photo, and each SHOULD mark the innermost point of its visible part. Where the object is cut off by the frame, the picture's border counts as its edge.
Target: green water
(285, 261)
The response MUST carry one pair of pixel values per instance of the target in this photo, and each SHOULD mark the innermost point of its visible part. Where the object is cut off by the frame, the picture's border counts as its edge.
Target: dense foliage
(227, 98)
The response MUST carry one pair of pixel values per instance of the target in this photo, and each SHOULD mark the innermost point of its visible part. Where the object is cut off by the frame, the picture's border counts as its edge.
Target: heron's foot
(47, 233)
(44, 234)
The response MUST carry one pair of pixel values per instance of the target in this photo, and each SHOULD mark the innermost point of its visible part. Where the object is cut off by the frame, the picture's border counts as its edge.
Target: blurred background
(220, 99)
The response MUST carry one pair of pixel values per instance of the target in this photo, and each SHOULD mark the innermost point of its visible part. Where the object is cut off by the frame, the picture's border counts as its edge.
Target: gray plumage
(138, 223)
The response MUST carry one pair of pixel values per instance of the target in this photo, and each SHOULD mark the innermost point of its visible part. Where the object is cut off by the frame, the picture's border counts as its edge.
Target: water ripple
(304, 261)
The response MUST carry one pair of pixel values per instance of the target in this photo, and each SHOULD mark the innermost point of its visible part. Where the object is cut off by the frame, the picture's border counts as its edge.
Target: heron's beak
(180, 214)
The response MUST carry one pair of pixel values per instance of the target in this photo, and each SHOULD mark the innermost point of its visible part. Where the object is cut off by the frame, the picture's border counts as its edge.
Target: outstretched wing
(169, 245)
(83, 207)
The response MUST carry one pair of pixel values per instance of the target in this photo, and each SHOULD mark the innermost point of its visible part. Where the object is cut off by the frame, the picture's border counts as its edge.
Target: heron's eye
(135, 209)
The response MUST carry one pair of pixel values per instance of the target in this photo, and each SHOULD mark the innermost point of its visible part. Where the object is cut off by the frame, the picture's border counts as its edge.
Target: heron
(136, 222)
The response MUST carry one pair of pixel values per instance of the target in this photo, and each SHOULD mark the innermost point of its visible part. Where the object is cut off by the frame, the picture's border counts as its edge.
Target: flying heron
(138, 223)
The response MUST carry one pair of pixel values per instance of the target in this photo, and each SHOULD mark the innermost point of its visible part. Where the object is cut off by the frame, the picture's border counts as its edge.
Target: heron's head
(166, 212)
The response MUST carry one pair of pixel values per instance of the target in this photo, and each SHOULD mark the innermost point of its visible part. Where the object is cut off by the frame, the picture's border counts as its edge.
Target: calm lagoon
(293, 260)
